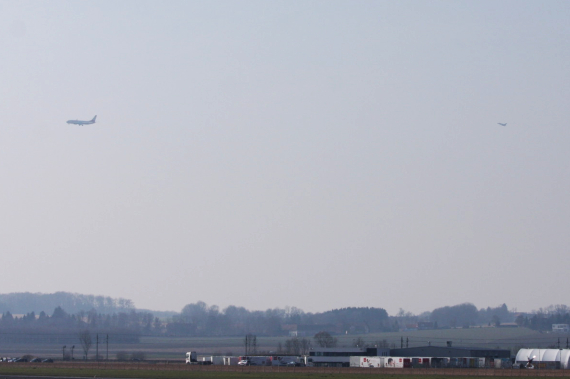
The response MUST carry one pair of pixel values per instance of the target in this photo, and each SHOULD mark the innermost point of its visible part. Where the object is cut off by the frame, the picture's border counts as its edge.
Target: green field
(174, 348)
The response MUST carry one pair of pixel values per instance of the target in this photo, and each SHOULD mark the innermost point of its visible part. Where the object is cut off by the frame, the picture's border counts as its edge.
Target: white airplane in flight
(79, 122)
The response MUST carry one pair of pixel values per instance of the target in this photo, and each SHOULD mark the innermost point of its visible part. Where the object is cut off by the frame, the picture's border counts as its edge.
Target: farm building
(544, 358)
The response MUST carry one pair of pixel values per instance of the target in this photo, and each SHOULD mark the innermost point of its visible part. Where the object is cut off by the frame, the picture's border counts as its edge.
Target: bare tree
(305, 346)
(289, 346)
(324, 339)
(85, 338)
(297, 346)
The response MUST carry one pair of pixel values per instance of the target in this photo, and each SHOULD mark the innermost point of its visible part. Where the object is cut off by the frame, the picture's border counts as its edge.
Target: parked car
(36, 360)
(48, 360)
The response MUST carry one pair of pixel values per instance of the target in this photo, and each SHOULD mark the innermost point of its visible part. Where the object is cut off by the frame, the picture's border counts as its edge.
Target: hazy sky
(317, 154)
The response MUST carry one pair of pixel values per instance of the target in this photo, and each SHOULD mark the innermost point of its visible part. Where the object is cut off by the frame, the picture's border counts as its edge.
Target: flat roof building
(449, 351)
(340, 356)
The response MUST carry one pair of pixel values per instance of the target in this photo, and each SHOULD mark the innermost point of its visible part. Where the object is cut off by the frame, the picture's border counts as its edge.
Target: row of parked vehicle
(34, 360)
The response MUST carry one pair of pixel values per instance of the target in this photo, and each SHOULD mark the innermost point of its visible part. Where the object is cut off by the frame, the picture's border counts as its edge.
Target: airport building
(340, 356)
(450, 351)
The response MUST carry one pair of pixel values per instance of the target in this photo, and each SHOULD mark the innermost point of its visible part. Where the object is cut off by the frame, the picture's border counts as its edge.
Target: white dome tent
(547, 358)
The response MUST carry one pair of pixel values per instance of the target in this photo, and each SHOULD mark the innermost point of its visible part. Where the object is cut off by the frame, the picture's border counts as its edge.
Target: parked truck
(191, 357)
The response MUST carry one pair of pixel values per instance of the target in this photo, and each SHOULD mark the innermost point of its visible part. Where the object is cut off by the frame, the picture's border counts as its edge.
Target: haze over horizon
(317, 154)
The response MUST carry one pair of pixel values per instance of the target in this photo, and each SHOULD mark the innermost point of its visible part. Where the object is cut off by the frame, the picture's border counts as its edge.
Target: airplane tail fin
(94, 118)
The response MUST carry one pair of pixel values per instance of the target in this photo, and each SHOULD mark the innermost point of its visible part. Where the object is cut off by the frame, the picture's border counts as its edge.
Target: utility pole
(401, 342)
(97, 349)
(107, 357)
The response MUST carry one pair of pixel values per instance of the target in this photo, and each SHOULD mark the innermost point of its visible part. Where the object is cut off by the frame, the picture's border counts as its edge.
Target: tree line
(62, 327)
(199, 319)
(457, 316)
(543, 318)
(466, 315)
(24, 302)
(120, 318)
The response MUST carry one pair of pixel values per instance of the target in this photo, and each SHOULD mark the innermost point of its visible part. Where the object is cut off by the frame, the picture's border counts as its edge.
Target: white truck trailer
(231, 361)
(212, 360)
(366, 361)
(396, 362)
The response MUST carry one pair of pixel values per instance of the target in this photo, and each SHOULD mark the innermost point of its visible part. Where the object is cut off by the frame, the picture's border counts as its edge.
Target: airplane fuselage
(79, 122)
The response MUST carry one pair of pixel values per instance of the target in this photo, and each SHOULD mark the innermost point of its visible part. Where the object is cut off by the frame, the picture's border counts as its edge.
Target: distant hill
(25, 302)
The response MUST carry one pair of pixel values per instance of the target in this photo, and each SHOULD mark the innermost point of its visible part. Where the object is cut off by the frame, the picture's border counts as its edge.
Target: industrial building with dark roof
(449, 351)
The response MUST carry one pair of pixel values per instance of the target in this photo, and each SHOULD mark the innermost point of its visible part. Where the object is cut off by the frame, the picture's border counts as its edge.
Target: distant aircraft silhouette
(505, 124)
(79, 122)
